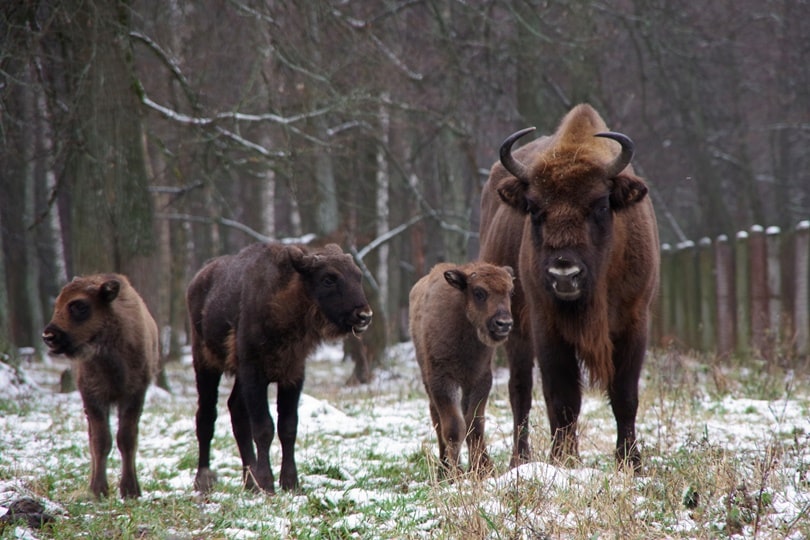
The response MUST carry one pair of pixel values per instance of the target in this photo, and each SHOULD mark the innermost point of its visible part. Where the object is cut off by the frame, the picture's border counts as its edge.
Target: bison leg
(287, 406)
(562, 390)
(98, 428)
(129, 413)
(240, 424)
(474, 404)
(628, 357)
(253, 388)
(521, 363)
(451, 428)
(207, 392)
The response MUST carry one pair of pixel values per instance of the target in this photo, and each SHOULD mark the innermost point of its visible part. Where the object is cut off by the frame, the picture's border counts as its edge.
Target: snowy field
(727, 455)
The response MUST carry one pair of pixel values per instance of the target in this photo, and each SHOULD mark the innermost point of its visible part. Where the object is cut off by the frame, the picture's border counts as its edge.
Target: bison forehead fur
(570, 214)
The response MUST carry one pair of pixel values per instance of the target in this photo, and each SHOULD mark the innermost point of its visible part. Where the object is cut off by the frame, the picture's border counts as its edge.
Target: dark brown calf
(458, 314)
(258, 315)
(102, 324)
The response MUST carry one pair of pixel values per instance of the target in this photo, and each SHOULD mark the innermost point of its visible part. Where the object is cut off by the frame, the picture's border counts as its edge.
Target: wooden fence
(740, 296)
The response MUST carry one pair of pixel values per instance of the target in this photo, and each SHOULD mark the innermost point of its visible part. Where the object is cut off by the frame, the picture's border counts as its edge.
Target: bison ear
(513, 192)
(109, 290)
(627, 191)
(456, 278)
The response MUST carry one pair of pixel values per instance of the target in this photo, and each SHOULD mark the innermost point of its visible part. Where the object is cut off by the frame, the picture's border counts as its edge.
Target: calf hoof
(518, 460)
(630, 461)
(483, 469)
(252, 482)
(205, 480)
(130, 490)
(568, 461)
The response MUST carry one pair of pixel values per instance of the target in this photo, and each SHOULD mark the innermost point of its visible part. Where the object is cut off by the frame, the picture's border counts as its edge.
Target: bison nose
(503, 326)
(565, 276)
(51, 336)
(363, 321)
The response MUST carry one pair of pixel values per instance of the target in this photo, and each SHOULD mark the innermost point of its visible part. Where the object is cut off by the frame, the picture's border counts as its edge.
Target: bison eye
(480, 294)
(79, 310)
(329, 280)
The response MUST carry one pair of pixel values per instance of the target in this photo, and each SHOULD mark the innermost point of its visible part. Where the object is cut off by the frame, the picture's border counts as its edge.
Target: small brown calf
(458, 315)
(102, 324)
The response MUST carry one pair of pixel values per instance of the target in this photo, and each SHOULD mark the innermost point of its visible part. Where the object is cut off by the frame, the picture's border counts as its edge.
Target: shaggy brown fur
(458, 314)
(258, 315)
(102, 324)
(576, 223)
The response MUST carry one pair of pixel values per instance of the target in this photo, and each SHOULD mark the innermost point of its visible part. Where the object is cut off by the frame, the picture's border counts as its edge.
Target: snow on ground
(391, 420)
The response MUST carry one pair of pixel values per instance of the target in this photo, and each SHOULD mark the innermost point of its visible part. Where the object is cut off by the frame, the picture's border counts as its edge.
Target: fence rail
(739, 296)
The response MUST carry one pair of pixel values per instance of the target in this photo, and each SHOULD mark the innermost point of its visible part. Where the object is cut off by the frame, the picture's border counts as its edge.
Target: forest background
(146, 137)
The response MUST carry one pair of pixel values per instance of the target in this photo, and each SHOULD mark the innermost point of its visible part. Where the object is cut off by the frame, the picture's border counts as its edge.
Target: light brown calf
(102, 324)
(458, 315)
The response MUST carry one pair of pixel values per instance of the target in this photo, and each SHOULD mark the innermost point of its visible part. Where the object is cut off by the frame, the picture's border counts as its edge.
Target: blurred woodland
(145, 137)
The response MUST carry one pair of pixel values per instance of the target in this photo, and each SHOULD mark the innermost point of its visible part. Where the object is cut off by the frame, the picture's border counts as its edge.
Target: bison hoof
(205, 480)
(630, 461)
(130, 490)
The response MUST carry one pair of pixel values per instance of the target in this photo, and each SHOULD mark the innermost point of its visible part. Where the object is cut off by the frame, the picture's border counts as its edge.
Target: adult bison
(573, 218)
(102, 324)
(257, 315)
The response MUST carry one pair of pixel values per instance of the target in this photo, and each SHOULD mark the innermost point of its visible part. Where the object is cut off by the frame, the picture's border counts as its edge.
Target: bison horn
(628, 147)
(518, 169)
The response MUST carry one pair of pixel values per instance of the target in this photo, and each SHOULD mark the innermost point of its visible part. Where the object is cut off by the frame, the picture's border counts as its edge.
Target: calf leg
(444, 397)
(628, 357)
(129, 413)
(521, 363)
(562, 391)
(253, 388)
(437, 426)
(207, 393)
(98, 428)
(240, 424)
(287, 406)
(474, 404)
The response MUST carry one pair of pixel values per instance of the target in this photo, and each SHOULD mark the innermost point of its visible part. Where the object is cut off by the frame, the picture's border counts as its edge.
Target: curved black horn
(628, 147)
(518, 169)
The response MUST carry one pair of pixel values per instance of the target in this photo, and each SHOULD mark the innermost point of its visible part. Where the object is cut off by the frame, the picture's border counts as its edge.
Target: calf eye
(480, 294)
(79, 310)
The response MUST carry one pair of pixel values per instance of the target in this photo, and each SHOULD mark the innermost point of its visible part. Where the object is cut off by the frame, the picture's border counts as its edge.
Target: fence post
(773, 277)
(760, 312)
(726, 306)
(742, 295)
(687, 294)
(666, 309)
(707, 307)
(801, 315)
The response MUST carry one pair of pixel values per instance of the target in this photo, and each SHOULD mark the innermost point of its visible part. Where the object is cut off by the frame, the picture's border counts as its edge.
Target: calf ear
(513, 192)
(300, 260)
(627, 191)
(109, 290)
(509, 271)
(456, 278)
